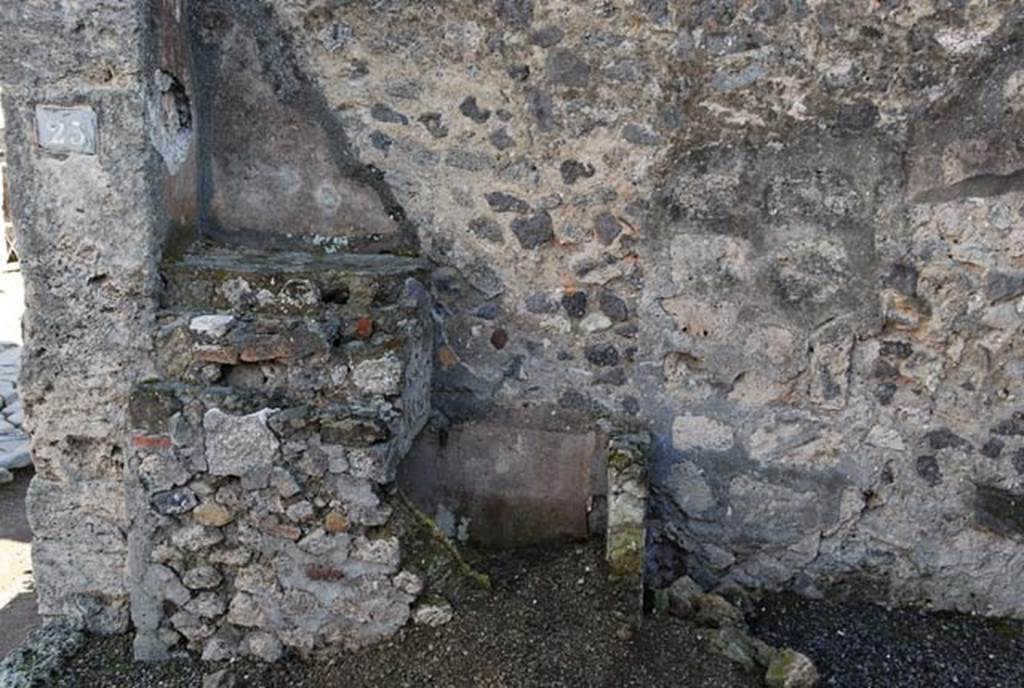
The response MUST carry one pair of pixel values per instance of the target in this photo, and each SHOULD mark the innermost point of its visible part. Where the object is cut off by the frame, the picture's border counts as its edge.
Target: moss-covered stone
(429, 553)
(791, 669)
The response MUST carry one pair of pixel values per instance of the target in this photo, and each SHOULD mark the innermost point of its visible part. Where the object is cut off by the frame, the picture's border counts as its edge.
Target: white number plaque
(67, 130)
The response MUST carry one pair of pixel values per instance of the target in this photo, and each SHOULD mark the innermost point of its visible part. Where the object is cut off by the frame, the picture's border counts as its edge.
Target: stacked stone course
(288, 388)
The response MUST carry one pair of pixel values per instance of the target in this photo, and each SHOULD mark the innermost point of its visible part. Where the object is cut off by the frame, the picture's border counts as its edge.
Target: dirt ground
(552, 620)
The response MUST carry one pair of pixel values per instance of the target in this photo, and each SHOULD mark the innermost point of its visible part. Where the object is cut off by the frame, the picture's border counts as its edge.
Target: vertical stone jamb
(88, 233)
(626, 537)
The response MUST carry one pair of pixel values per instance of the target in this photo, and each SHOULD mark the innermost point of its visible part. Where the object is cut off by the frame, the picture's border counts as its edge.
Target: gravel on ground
(861, 645)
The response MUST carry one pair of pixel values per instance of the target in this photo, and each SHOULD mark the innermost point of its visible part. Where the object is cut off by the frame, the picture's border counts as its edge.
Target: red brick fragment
(364, 328)
(152, 441)
(499, 338)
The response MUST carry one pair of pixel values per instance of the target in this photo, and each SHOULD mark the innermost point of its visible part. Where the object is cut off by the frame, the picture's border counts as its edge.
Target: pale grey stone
(244, 610)
(14, 453)
(433, 611)
(202, 578)
(241, 446)
(214, 325)
(378, 376)
(265, 646)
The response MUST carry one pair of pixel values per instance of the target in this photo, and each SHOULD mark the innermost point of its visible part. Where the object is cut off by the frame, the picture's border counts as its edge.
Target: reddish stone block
(152, 441)
(364, 328)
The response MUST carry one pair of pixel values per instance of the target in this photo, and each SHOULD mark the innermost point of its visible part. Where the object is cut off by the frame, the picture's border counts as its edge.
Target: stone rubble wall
(263, 455)
(783, 235)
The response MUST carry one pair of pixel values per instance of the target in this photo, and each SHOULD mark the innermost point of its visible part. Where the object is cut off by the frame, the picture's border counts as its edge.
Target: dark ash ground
(858, 645)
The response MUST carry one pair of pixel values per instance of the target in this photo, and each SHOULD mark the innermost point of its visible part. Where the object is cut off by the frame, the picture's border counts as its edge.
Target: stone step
(290, 325)
(297, 357)
(240, 281)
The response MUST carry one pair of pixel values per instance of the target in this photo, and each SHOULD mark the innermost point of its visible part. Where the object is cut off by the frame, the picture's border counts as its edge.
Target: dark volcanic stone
(471, 109)
(612, 306)
(487, 229)
(1002, 286)
(381, 141)
(434, 123)
(993, 448)
(173, 502)
(518, 72)
(575, 304)
(502, 202)
(577, 401)
(501, 140)
(944, 438)
(516, 13)
(603, 355)
(541, 107)
(383, 113)
(533, 231)
(563, 67)
(901, 277)
(928, 468)
(547, 36)
(858, 116)
(885, 393)
(896, 349)
(606, 228)
(640, 135)
(486, 311)
(999, 510)
(573, 170)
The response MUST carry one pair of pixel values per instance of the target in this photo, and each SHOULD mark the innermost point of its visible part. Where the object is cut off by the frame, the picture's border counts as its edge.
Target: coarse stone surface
(803, 220)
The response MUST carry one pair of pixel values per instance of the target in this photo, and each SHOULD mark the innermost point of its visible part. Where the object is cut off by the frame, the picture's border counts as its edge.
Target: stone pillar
(88, 231)
(626, 538)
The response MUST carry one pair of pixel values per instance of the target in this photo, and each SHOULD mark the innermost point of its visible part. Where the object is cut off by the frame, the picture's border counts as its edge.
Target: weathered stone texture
(626, 533)
(796, 217)
(785, 237)
(89, 231)
(261, 522)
